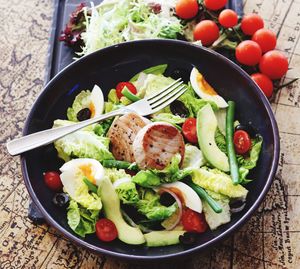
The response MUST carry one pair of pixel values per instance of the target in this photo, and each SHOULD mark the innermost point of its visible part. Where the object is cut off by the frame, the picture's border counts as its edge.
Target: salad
(157, 180)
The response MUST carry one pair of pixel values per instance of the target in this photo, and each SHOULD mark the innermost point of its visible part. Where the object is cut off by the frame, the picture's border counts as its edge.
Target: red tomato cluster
(258, 50)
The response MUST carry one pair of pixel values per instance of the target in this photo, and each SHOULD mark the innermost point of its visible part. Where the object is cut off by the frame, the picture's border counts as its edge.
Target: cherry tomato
(53, 181)
(215, 4)
(242, 142)
(186, 9)
(274, 64)
(248, 53)
(193, 221)
(121, 86)
(228, 18)
(189, 130)
(251, 23)
(207, 31)
(266, 39)
(264, 83)
(106, 230)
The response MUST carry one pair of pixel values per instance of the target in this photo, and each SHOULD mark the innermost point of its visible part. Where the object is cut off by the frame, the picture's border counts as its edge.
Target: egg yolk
(205, 86)
(87, 171)
(92, 109)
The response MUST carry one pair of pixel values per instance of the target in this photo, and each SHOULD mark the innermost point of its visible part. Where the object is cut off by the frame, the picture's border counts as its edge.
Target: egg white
(191, 198)
(77, 167)
(97, 100)
(202, 92)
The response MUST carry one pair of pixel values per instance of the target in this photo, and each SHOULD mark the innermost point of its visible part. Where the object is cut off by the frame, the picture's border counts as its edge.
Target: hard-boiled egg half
(204, 90)
(186, 193)
(97, 102)
(83, 167)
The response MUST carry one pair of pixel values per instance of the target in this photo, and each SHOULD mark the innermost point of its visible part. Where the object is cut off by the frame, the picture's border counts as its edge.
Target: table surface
(269, 240)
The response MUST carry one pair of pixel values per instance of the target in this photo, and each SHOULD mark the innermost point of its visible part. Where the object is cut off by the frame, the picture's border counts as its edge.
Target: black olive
(61, 199)
(180, 73)
(166, 199)
(84, 114)
(188, 238)
(179, 109)
(247, 128)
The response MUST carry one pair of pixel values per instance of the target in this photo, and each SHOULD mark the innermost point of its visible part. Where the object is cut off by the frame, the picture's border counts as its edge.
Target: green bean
(129, 95)
(234, 169)
(120, 165)
(204, 196)
(92, 187)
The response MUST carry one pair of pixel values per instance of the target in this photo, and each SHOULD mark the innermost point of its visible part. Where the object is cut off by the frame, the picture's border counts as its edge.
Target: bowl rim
(198, 248)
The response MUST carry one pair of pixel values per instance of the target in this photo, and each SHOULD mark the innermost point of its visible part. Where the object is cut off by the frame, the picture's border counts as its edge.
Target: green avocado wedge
(206, 127)
(111, 206)
(163, 238)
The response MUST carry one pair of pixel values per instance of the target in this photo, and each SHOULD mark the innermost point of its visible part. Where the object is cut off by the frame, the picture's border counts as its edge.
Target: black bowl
(119, 63)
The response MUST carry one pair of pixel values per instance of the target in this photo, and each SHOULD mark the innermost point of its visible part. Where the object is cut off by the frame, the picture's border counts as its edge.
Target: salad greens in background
(155, 202)
(243, 39)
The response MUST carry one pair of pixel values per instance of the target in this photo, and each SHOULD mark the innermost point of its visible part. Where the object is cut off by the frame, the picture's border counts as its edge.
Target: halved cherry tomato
(228, 18)
(242, 142)
(207, 32)
(248, 52)
(193, 221)
(121, 86)
(274, 64)
(186, 9)
(251, 23)
(53, 181)
(266, 39)
(264, 83)
(214, 4)
(189, 130)
(106, 230)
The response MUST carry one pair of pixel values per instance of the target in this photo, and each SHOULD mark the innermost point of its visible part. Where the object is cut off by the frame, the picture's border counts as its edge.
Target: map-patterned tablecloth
(271, 238)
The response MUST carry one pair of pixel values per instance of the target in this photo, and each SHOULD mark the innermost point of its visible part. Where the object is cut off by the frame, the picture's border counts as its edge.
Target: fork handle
(32, 141)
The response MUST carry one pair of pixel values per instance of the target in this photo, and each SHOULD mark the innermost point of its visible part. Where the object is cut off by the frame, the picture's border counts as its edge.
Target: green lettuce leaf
(81, 220)
(149, 206)
(219, 182)
(153, 177)
(193, 103)
(83, 144)
(127, 192)
(193, 157)
(82, 100)
(113, 174)
(170, 118)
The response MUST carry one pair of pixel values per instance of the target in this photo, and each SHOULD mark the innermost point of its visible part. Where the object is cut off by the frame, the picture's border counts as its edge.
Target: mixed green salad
(159, 180)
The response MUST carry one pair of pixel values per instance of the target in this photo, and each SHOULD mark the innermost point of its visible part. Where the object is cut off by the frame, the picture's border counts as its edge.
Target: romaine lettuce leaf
(155, 70)
(219, 182)
(170, 118)
(149, 206)
(193, 157)
(113, 174)
(82, 100)
(193, 103)
(81, 220)
(127, 192)
(153, 177)
(82, 144)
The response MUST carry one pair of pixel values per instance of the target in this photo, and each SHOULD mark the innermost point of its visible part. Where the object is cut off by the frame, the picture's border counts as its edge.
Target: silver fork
(144, 107)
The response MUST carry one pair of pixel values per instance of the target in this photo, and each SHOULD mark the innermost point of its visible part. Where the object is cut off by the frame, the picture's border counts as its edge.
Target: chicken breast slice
(156, 144)
(122, 134)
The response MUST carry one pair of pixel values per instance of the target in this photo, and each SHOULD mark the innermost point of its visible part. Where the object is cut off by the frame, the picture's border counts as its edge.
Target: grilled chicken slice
(122, 134)
(156, 144)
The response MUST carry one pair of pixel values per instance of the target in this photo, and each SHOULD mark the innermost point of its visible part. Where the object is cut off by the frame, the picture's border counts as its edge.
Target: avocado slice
(163, 238)
(111, 206)
(206, 127)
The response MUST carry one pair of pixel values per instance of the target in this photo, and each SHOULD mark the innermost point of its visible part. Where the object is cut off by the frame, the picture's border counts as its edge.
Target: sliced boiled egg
(204, 90)
(84, 167)
(186, 194)
(97, 102)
